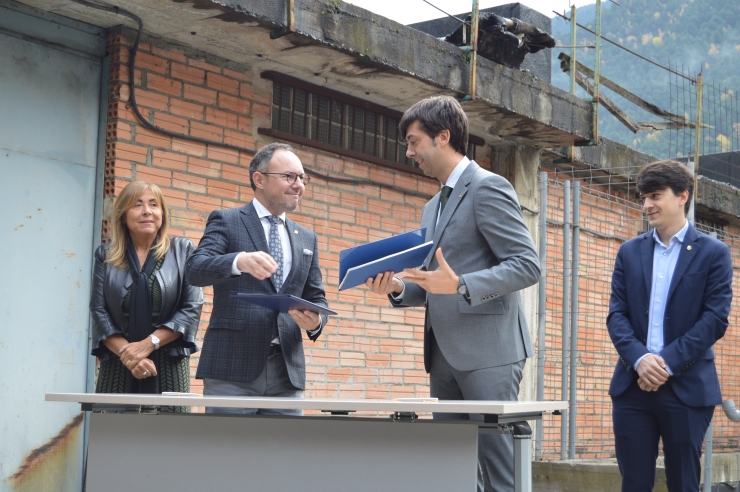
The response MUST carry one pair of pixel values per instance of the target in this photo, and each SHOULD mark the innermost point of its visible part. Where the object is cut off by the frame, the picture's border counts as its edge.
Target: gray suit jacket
(484, 240)
(238, 337)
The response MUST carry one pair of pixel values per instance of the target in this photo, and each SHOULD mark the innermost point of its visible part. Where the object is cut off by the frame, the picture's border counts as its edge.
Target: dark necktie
(276, 250)
(443, 197)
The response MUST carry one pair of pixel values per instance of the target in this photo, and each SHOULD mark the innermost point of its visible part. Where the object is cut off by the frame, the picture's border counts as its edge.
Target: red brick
(236, 75)
(192, 148)
(160, 177)
(207, 132)
(155, 139)
(164, 84)
(226, 155)
(130, 152)
(171, 123)
(170, 54)
(174, 198)
(232, 103)
(234, 173)
(200, 94)
(247, 92)
(221, 83)
(187, 220)
(189, 110)
(169, 160)
(151, 62)
(188, 182)
(203, 203)
(152, 100)
(188, 74)
(222, 189)
(204, 167)
(204, 65)
(222, 118)
(239, 139)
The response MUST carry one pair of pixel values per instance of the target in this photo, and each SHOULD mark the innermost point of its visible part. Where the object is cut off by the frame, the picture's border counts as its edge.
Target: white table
(334, 451)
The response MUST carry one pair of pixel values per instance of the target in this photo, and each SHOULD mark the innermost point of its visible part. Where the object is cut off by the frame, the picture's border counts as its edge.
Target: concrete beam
(359, 53)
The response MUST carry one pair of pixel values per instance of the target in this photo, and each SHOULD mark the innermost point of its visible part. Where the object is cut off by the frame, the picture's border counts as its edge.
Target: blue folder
(282, 303)
(392, 254)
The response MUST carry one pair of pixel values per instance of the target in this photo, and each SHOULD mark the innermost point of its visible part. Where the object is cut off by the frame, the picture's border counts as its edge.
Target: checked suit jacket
(238, 337)
(485, 241)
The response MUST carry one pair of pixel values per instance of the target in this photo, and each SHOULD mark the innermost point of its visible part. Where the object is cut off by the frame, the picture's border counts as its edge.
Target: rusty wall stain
(53, 465)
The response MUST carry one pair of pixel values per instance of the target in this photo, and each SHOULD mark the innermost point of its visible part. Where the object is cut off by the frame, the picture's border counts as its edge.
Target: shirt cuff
(234, 269)
(640, 360)
(399, 296)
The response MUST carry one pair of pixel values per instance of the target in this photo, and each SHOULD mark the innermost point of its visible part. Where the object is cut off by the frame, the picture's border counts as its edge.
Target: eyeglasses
(292, 177)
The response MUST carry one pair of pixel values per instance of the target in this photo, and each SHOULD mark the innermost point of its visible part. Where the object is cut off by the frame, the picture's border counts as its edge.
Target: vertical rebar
(573, 30)
(574, 319)
(566, 316)
(697, 145)
(708, 442)
(541, 311)
(597, 70)
(474, 46)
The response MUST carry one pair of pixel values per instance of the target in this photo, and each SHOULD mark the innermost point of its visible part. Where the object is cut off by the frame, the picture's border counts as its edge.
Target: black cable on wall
(155, 128)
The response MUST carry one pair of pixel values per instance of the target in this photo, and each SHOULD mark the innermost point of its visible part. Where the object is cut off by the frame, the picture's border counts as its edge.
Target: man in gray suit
(476, 338)
(249, 350)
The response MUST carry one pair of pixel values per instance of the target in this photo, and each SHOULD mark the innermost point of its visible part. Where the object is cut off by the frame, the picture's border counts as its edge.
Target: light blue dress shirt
(664, 264)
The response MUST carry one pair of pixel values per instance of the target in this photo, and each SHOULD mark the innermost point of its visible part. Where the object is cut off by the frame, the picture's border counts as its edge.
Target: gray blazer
(484, 240)
(237, 340)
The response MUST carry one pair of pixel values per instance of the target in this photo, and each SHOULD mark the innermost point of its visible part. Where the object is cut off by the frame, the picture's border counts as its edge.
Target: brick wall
(608, 219)
(370, 350)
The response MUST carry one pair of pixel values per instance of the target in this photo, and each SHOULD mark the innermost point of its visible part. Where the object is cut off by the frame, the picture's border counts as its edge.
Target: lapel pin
(296, 231)
(460, 195)
(688, 247)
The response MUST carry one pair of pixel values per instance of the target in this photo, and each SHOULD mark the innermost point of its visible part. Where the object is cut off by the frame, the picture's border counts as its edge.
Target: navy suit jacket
(699, 299)
(237, 341)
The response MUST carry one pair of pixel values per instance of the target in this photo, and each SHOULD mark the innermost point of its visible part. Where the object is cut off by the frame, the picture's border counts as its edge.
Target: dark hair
(263, 157)
(439, 113)
(671, 174)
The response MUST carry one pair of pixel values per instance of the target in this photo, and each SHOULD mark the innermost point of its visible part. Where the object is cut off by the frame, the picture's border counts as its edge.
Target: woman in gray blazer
(145, 314)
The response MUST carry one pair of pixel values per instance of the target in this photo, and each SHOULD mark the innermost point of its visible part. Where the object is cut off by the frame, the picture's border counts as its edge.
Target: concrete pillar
(521, 165)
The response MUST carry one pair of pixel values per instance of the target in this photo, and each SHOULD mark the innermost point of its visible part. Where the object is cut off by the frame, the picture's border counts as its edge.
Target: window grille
(335, 122)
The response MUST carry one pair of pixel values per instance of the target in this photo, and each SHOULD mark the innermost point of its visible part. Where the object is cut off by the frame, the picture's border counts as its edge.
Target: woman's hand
(131, 353)
(144, 369)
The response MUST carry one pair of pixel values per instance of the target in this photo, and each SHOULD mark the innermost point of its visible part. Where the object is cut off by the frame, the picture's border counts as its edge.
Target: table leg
(522, 456)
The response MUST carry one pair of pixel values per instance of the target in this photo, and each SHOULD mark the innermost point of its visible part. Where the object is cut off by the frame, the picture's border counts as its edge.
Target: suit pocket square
(307, 252)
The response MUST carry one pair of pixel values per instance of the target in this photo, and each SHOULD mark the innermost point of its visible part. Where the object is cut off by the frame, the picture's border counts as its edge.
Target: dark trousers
(641, 419)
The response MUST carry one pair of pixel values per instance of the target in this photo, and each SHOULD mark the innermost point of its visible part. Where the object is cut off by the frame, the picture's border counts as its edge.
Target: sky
(411, 11)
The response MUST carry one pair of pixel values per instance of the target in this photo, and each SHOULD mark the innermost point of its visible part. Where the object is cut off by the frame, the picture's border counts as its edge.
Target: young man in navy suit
(671, 295)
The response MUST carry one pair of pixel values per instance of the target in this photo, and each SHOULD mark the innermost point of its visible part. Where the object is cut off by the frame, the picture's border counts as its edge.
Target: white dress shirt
(664, 264)
(263, 214)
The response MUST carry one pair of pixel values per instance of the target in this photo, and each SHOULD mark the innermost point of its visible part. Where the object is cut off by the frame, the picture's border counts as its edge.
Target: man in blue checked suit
(249, 350)
(671, 295)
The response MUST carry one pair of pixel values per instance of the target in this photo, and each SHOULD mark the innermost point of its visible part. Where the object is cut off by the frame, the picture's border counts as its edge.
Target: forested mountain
(692, 35)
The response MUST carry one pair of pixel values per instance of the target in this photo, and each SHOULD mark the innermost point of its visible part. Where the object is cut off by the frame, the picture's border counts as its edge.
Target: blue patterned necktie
(276, 250)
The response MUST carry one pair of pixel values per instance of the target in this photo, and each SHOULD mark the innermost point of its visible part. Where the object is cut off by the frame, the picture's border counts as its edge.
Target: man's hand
(441, 281)
(645, 386)
(384, 284)
(307, 320)
(652, 373)
(258, 264)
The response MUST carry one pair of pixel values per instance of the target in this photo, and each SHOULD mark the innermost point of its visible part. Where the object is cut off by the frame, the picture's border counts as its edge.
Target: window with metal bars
(335, 122)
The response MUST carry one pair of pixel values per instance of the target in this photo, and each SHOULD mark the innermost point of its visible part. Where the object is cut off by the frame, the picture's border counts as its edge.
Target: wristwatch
(155, 341)
(462, 289)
